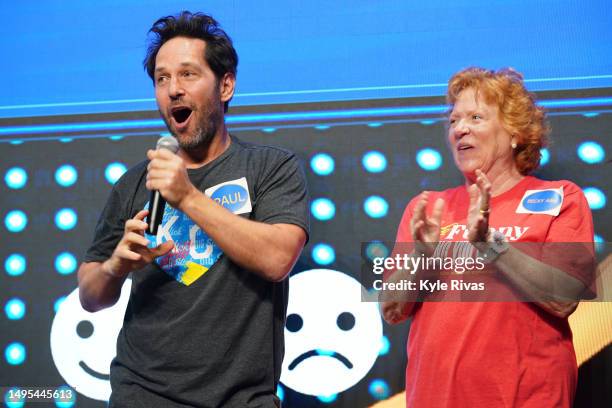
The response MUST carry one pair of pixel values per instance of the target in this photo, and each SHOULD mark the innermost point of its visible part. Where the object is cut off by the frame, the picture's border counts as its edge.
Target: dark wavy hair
(219, 53)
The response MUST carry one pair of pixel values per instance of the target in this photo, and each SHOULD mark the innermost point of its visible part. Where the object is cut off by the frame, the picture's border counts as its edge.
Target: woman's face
(476, 136)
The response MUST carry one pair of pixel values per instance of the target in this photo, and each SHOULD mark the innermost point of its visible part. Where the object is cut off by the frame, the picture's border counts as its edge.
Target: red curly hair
(519, 114)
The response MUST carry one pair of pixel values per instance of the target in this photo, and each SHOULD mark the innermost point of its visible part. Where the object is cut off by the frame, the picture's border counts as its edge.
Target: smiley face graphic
(332, 338)
(83, 344)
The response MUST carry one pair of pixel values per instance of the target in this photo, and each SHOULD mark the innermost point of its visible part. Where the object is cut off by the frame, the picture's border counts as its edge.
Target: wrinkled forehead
(472, 98)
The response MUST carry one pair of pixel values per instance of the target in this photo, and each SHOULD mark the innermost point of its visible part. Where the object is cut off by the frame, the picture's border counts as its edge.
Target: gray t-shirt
(199, 330)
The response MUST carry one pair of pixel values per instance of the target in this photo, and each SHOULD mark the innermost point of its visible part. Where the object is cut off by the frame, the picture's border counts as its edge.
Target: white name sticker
(233, 195)
(541, 202)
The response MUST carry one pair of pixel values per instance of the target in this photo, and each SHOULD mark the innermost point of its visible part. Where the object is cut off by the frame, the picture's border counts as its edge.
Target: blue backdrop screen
(66, 57)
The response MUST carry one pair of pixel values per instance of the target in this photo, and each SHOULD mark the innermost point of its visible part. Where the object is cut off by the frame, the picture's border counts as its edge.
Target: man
(205, 320)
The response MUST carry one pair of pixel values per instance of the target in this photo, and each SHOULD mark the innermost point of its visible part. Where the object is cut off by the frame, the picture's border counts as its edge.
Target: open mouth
(93, 373)
(463, 147)
(314, 353)
(181, 114)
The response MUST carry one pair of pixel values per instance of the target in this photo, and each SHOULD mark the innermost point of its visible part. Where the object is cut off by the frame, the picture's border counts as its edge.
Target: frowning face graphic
(332, 338)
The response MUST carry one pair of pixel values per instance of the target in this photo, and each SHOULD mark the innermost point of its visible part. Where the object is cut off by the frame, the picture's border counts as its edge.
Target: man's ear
(227, 85)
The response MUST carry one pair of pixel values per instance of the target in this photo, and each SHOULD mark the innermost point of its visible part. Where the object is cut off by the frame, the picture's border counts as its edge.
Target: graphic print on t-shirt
(456, 231)
(194, 252)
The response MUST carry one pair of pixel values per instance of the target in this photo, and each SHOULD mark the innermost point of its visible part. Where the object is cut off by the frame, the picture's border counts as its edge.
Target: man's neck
(202, 156)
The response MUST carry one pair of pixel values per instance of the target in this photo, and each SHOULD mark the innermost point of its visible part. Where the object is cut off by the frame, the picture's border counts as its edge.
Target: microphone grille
(168, 142)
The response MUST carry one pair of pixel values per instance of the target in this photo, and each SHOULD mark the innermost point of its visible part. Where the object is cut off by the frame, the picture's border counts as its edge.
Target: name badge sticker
(541, 202)
(233, 195)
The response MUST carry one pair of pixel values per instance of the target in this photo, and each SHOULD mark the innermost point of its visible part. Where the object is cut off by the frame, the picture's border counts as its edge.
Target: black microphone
(156, 201)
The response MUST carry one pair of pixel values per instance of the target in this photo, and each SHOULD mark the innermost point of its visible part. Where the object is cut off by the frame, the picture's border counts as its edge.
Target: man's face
(188, 93)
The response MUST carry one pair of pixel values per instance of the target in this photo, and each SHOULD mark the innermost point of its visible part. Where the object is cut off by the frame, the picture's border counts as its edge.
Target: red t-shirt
(498, 354)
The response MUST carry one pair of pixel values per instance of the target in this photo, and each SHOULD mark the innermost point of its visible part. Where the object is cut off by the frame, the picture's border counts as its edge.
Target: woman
(496, 354)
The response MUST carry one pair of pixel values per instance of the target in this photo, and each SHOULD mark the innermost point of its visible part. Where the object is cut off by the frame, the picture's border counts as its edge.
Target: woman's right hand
(426, 230)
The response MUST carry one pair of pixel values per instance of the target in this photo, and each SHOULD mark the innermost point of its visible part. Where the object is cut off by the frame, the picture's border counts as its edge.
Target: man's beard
(205, 129)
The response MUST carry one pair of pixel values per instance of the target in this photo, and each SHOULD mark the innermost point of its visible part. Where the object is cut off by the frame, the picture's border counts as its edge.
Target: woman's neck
(501, 181)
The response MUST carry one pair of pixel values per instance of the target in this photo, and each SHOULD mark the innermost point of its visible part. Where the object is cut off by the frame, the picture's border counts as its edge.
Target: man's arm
(269, 250)
(98, 287)
(100, 282)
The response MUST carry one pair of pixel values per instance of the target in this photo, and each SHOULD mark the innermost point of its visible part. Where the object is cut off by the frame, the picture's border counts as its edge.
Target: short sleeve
(569, 242)
(109, 229)
(282, 196)
(575, 221)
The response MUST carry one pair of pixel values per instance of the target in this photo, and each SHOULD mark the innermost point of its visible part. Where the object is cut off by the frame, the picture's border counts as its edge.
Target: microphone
(156, 201)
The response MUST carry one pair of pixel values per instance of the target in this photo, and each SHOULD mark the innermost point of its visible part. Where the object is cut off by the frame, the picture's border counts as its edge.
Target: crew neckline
(230, 149)
(520, 185)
